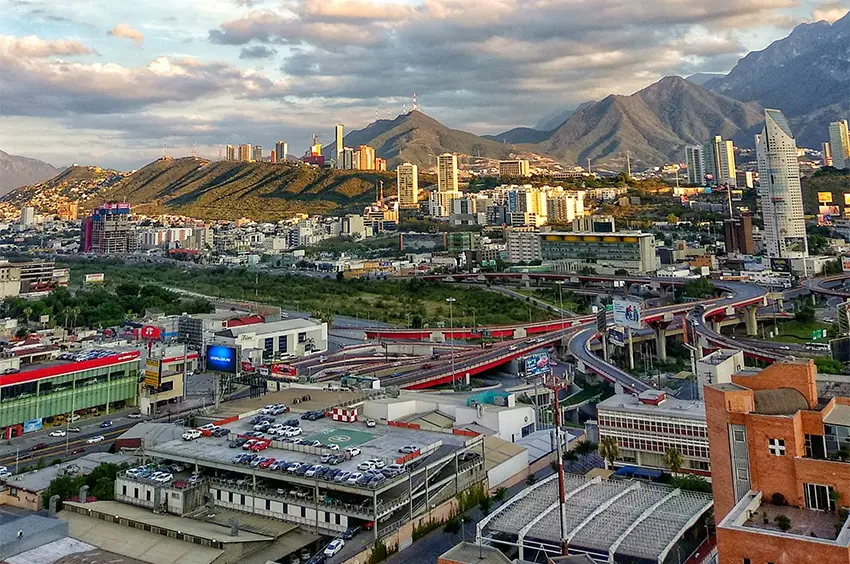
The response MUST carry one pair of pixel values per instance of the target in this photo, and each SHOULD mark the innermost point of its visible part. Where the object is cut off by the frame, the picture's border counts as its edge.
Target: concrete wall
(503, 473)
(16, 497)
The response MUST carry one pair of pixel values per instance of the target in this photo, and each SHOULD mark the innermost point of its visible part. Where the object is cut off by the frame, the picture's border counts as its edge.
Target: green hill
(83, 184)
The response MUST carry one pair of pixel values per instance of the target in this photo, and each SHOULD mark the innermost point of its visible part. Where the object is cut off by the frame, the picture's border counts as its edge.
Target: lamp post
(560, 284)
(451, 302)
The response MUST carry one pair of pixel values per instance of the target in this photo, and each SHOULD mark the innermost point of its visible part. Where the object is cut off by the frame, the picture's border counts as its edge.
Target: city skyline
(117, 87)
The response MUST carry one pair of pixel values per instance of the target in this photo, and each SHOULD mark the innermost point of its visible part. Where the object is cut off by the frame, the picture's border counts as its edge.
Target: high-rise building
(563, 208)
(696, 164)
(108, 230)
(258, 153)
(340, 147)
(245, 152)
(779, 190)
(280, 149)
(513, 168)
(407, 176)
(839, 143)
(380, 164)
(230, 153)
(272, 156)
(719, 158)
(738, 235)
(778, 466)
(28, 216)
(366, 155)
(826, 150)
(347, 158)
(447, 173)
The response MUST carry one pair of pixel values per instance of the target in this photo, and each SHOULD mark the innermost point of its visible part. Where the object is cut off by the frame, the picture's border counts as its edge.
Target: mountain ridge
(18, 170)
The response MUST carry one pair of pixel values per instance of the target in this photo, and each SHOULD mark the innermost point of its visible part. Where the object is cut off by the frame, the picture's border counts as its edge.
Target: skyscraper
(281, 148)
(408, 185)
(245, 152)
(258, 153)
(696, 164)
(839, 143)
(347, 158)
(338, 136)
(367, 157)
(779, 189)
(719, 157)
(447, 173)
(826, 150)
(230, 153)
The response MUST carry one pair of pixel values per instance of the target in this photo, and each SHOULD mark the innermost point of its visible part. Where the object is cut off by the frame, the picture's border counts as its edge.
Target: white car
(4, 475)
(409, 449)
(332, 446)
(352, 479)
(162, 477)
(334, 547)
(97, 439)
(135, 416)
(293, 432)
(365, 465)
(57, 433)
(377, 463)
(353, 451)
(370, 423)
(191, 435)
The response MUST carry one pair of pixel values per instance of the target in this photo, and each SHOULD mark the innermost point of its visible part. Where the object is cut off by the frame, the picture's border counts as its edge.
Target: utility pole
(555, 385)
(451, 302)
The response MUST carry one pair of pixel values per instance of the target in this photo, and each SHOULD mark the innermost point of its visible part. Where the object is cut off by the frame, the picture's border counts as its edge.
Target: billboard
(151, 332)
(826, 214)
(153, 372)
(780, 265)
(31, 425)
(627, 313)
(94, 278)
(845, 264)
(221, 358)
(737, 195)
(689, 333)
(825, 197)
(847, 199)
(616, 337)
(536, 364)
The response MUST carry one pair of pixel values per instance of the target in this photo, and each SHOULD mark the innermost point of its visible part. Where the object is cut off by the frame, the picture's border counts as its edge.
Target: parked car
(267, 462)
(365, 465)
(370, 423)
(135, 415)
(353, 451)
(363, 479)
(312, 471)
(259, 445)
(393, 470)
(292, 423)
(409, 449)
(331, 474)
(220, 432)
(74, 430)
(236, 443)
(377, 463)
(376, 480)
(180, 484)
(248, 444)
(326, 457)
(105, 424)
(342, 476)
(334, 547)
(257, 461)
(302, 470)
(191, 435)
(353, 477)
(293, 467)
(57, 433)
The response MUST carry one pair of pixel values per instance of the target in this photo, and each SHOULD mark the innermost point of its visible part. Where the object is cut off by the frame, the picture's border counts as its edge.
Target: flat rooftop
(58, 367)
(292, 324)
(469, 553)
(319, 400)
(39, 480)
(671, 407)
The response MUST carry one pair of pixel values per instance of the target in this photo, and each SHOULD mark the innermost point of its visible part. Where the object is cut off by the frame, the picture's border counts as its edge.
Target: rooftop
(839, 415)
(670, 406)
(718, 356)
(469, 553)
(782, 401)
(38, 480)
(273, 327)
(56, 367)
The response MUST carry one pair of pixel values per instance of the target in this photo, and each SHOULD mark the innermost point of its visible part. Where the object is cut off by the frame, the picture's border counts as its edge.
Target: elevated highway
(829, 285)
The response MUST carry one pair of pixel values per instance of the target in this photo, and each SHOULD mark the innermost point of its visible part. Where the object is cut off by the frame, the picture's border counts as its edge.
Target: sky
(120, 83)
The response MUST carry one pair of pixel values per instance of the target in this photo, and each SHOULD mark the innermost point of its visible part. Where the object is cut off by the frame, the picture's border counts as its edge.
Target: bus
(817, 347)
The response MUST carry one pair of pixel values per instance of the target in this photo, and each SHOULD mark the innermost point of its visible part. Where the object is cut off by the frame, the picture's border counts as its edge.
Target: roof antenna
(415, 103)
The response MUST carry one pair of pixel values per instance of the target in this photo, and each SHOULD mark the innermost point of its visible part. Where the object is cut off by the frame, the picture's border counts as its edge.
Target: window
(819, 497)
(147, 495)
(268, 505)
(738, 435)
(742, 474)
(746, 561)
(124, 490)
(303, 511)
(302, 337)
(776, 447)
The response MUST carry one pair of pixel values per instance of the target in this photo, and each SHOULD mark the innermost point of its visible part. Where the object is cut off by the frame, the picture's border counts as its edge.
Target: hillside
(83, 184)
(520, 135)
(414, 137)
(230, 190)
(806, 75)
(654, 124)
(16, 171)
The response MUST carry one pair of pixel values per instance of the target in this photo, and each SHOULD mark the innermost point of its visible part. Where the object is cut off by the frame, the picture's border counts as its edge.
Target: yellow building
(407, 175)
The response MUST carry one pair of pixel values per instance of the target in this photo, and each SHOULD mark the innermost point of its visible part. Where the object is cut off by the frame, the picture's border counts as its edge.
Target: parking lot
(342, 436)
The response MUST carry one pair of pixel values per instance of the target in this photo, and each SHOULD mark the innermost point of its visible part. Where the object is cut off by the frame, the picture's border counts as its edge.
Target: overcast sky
(115, 83)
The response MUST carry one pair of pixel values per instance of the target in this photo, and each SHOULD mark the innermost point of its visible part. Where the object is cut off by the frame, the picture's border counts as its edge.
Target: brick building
(779, 467)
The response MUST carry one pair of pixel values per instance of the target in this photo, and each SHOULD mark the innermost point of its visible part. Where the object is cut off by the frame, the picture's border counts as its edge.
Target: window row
(652, 426)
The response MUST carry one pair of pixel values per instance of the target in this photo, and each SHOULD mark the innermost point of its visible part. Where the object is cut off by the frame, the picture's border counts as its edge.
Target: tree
(500, 494)
(485, 503)
(828, 365)
(530, 480)
(697, 288)
(805, 314)
(609, 450)
(452, 525)
(584, 448)
(817, 244)
(673, 460)
(27, 313)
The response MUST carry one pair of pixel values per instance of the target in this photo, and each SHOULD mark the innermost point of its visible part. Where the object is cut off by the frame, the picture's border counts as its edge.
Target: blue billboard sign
(221, 358)
(32, 425)
(536, 364)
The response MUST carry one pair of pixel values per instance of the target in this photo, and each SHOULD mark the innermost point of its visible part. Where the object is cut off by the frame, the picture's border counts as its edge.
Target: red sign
(247, 367)
(284, 369)
(150, 332)
(65, 368)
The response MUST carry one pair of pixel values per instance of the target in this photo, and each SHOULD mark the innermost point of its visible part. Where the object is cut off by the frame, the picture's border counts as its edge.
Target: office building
(440, 203)
(738, 235)
(281, 149)
(348, 159)
(515, 168)
(594, 224)
(779, 189)
(779, 466)
(826, 151)
(561, 208)
(460, 241)
(523, 245)
(366, 157)
(718, 368)
(297, 337)
(603, 253)
(245, 153)
(447, 173)
(648, 425)
(10, 279)
(229, 153)
(338, 144)
(839, 144)
(108, 230)
(258, 153)
(407, 176)
(466, 211)
(695, 162)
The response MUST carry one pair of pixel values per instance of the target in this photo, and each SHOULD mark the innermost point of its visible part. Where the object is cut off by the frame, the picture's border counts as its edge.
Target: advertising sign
(845, 264)
(44, 319)
(616, 337)
(536, 364)
(150, 332)
(737, 195)
(601, 320)
(780, 265)
(689, 333)
(847, 198)
(153, 372)
(94, 278)
(826, 214)
(825, 197)
(285, 371)
(32, 425)
(221, 358)
(627, 313)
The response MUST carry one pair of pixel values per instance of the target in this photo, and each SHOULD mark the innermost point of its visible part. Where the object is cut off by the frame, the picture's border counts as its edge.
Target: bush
(783, 522)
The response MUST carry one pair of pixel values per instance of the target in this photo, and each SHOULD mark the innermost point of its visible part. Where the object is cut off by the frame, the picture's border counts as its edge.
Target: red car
(78, 450)
(180, 484)
(267, 462)
(39, 446)
(259, 445)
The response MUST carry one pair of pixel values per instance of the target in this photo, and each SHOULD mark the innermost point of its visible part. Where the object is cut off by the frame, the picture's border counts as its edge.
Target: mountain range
(16, 171)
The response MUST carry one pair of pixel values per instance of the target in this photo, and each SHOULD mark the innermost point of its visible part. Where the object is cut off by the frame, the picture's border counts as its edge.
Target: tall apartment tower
(245, 152)
(338, 136)
(719, 158)
(280, 149)
(839, 143)
(826, 150)
(366, 157)
(447, 173)
(108, 230)
(258, 153)
(230, 153)
(778, 466)
(408, 185)
(696, 164)
(779, 189)
(347, 158)
(738, 235)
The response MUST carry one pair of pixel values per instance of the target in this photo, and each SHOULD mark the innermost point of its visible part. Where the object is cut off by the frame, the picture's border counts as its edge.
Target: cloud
(32, 46)
(257, 52)
(127, 32)
(829, 11)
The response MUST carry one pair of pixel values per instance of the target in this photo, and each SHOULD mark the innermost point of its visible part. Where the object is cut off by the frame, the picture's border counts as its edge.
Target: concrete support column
(751, 321)
(661, 344)
(715, 325)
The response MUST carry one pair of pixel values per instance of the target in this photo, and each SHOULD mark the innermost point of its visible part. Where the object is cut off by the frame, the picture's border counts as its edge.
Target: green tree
(452, 525)
(805, 313)
(500, 494)
(609, 450)
(673, 460)
(828, 365)
(485, 503)
(817, 244)
(530, 480)
(697, 288)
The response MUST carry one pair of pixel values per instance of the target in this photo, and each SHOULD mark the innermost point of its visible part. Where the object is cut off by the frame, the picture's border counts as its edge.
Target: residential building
(467, 211)
(348, 160)
(738, 235)
(27, 216)
(515, 168)
(297, 337)
(563, 208)
(354, 226)
(523, 245)
(68, 211)
(257, 155)
(281, 149)
(719, 158)
(460, 241)
(826, 151)
(839, 144)
(245, 152)
(380, 164)
(447, 173)
(646, 426)
(407, 176)
(695, 161)
(108, 230)
(779, 189)
(338, 144)
(602, 253)
(366, 157)
(594, 224)
(273, 156)
(10, 279)
(440, 203)
(718, 368)
(229, 153)
(779, 467)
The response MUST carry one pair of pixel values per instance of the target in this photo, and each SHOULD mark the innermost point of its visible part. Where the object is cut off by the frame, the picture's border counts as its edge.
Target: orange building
(779, 467)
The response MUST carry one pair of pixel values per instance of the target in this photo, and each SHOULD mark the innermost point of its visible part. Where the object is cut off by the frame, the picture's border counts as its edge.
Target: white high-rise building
(839, 144)
(28, 216)
(719, 158)
(280, 149)
(447, 173)
(696, 164)
(408, 185)
(338, 135)
(779, 190)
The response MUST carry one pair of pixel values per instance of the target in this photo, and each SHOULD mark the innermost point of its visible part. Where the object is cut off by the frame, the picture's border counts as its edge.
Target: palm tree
(609, 450)
(75, 311)
(27, 313)
(584, 448)
(673, 460)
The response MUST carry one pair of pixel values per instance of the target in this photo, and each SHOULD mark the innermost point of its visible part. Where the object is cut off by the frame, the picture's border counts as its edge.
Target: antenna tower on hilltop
(415, 103)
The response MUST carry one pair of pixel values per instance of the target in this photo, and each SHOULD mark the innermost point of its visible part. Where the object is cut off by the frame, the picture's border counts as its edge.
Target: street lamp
(451, 302)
